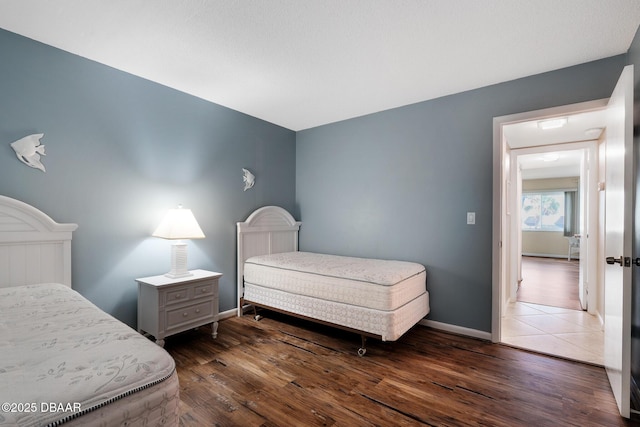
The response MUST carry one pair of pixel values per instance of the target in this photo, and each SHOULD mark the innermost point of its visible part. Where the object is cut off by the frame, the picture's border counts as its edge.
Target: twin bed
(374, 298)
(62, 359)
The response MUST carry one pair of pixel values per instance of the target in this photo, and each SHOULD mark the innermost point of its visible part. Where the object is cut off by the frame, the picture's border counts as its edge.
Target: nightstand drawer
(205, 290)
(178, 295)
(192, 313)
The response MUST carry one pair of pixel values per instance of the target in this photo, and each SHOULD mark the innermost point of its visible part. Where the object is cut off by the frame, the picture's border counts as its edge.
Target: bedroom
(121, 150)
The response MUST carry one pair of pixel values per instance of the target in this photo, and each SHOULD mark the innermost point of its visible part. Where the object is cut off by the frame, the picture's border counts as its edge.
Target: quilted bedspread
(60, 356)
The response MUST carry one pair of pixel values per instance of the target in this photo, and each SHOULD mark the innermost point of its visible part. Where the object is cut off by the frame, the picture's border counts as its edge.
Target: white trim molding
(454, 329)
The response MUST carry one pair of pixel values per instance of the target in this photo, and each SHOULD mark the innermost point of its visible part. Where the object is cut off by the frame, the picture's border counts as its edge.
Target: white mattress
(376, 284)
(57, 347)
(153, 406)
(389, 325)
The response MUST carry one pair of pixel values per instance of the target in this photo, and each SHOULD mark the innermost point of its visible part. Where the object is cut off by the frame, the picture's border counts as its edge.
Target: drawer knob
(203, 291)
(185, 314)
(178, 296)
(197, 310)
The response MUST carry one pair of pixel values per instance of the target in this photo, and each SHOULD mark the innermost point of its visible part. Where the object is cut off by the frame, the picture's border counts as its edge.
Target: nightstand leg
(160, 343)
(214, 330)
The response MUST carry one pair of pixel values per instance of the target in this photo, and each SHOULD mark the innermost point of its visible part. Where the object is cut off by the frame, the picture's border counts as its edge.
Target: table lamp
(179, 224)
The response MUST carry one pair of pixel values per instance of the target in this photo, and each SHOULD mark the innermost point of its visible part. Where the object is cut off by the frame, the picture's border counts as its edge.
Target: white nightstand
(167, 306)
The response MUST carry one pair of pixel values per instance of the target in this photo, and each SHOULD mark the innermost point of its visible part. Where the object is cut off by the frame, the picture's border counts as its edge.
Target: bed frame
(271, 230)
(33, 247)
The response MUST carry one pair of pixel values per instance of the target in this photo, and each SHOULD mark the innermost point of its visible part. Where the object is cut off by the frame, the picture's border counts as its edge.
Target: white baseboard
(573, 256)
(600, 319)
(457, 329)
(227, 314)
(430, 323)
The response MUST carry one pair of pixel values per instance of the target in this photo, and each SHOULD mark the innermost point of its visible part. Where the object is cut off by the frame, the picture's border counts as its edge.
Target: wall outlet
(471, 218)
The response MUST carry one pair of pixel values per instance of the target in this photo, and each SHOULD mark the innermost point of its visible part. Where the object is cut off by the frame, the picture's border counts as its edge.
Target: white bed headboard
(268, 230)
(33, 247)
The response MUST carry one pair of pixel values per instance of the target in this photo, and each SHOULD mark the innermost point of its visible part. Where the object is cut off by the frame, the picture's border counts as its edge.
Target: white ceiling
(585, 126)
(304, 63)
(557, 164)
(579, 127)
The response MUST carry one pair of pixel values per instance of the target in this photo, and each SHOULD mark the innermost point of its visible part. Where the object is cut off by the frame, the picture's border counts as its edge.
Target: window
(543, 211)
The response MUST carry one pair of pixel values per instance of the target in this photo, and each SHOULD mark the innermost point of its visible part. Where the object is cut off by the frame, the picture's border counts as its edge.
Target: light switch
(471, 217)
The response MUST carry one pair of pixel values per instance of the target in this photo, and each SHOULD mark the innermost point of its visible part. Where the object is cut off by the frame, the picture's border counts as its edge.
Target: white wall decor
(29, 149)
(248, 178)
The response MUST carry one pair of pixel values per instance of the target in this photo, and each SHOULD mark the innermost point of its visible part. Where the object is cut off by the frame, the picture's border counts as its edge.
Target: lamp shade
(179, 224)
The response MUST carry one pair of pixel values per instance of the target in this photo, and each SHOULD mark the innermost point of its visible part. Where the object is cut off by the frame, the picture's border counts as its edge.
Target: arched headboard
(33, 247)
(268, 230)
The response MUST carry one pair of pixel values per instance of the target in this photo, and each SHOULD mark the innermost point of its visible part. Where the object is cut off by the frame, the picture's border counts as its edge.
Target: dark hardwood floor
(550, 281)
(282, 371)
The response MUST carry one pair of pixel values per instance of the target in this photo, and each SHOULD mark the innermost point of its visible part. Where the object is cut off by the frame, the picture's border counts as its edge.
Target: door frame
(502, 223)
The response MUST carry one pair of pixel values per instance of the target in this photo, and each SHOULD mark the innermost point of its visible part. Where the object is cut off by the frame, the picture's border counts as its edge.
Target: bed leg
(363, 350)
(255, 313)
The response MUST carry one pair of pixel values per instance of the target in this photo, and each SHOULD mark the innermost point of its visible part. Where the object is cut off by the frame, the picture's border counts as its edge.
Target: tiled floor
(561, 332)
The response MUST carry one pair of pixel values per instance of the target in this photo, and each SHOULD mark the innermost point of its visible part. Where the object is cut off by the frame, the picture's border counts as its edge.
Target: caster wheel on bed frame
(363, 350)
(257, 317)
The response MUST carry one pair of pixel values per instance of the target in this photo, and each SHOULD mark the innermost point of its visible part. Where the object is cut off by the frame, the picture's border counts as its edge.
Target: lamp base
(178, 261)
(177, 276)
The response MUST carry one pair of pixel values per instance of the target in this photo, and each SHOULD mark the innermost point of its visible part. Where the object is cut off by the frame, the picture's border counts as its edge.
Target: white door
(618, 244)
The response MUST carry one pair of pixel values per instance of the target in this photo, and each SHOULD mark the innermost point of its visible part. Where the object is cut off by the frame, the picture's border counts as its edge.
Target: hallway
(572, 334)
(547, 317)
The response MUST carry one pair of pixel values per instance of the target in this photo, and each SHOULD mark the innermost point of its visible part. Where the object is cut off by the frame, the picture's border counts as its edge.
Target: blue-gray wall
(398, 184)
(120, 151)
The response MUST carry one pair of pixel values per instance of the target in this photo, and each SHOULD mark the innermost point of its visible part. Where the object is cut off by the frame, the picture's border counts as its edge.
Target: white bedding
(376, 284)
(56, 347)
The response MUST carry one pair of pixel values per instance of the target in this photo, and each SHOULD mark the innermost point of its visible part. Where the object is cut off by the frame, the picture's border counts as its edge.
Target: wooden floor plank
(282, 371)
(550, 281)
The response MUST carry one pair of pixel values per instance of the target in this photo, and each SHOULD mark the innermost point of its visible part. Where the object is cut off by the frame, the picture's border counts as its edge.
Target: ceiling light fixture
(551, 157)
(552, 123)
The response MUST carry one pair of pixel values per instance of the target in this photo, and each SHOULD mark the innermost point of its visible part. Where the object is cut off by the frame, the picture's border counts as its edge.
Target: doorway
(547, 328)
(554, 206)
(551, 205)
(616, 175)
(550, 221)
